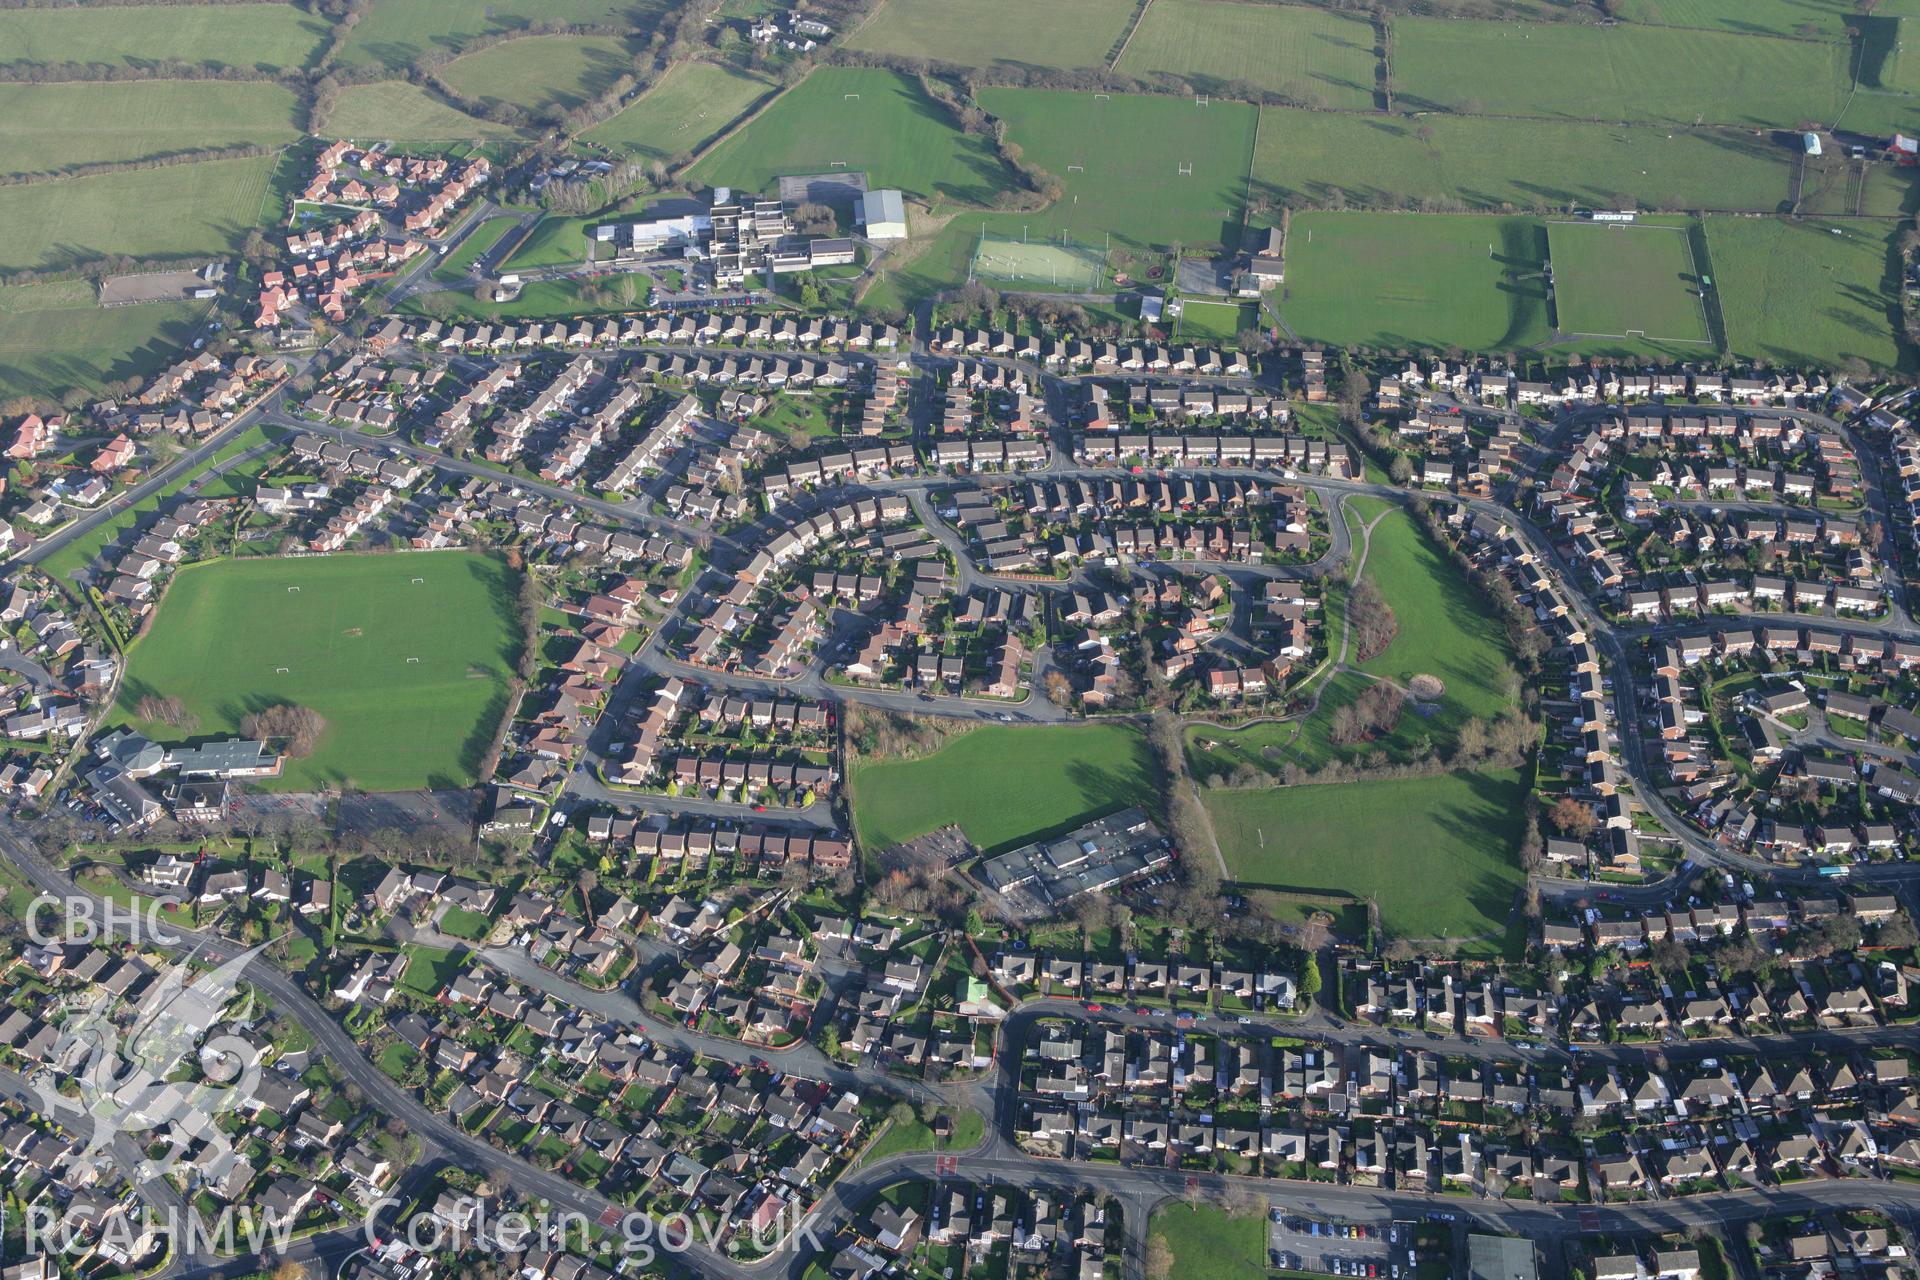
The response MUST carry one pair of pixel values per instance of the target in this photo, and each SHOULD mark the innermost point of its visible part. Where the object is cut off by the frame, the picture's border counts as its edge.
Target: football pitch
(1055, 264)
(407, 657)
(1627, 280)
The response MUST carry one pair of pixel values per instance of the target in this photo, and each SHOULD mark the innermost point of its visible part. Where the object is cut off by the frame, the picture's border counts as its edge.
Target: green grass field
(975, 33)
(1570, 70)
(482, 238)
(1204, 319)
(541, 300)
(1314, 56)
(1211, 1244)
(556, 240)
(1003, 785)
(891, 129)
(1391, 162)
(683, 111)
(406, 113)
(546, 75)
(252, 36)
(45, 127)
(184, 209)
(393, 33)
(1612, 279)
(56, 336)
(1806, 19)
(348, 639)
(1806, 293)
(1437, 853)
(1119, 160)
(1416, 280)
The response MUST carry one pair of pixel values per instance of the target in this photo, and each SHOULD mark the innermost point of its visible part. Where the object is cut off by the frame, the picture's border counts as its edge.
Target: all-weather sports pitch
(407, 657)
(1053, 264)
(1627, 280)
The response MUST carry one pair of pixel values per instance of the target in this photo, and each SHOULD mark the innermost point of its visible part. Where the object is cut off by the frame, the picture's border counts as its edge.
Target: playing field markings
(1186, 170)
(418, 581)
(280, 671)
(1101, 97)
(413, 659)
(1076, 168)
(850, 97)
(292, 589)
(1201, 100)
(1693, 266)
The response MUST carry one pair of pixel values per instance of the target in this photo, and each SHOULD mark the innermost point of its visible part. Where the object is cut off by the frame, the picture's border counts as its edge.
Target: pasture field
(1120, 161)
(1805, 19)
(1437, 853)
(1312, 55)
(252, 36)
(56, 336)
(687, 108)
(1808, 292)
(543, 74)
(394, 33)
(406, 113)
(1672, 75)
(858, 119)
(1003, 785)
(47, 127)
(977, 33)
(1621, 280)
(410, 676)
(1416, 280)
(1305, 157)
(184, 209)
(1831, 184)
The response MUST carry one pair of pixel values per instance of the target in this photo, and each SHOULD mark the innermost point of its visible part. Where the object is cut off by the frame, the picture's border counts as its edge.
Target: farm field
(184, 209)
(1306, 157)
(410, 676)
(1437, 853)
(1416, 280)
(1798, 294)
(394, 33)
(545, 75)
(1806, 19)
(891, 129)
(1312, 55)
(975, 33)
(1675, 75)
(1622, 280)
(1003, 785)
(1119, 161)
(48, 127)
(689, 106)
(406, 113)
(248, 36)
(55, 336)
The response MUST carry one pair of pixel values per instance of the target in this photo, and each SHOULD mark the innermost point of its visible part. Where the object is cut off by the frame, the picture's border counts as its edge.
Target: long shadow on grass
(1099, 791)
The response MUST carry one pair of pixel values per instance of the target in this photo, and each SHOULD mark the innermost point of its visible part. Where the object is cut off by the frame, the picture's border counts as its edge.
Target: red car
(1095, 1008)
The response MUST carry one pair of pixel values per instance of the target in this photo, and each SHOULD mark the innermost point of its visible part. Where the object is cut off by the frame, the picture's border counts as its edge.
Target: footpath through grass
(407, 658)
(1003, 785)
(1437, 853)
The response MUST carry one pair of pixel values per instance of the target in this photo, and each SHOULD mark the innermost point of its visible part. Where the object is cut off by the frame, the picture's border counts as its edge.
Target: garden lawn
(393, 33)
(56, 336)
(1317, 157)
(1003, 785)
(262, 37)
(890, 129)
(1438, 853)
(1806, 293)
(406, 113)
(184, 210)
(545, 75)
(1575, 70)
(1445, 628)
(1129, 149)
(1416, 280)
(410, 676)
(47, 127)
(683, 111)
(974, 33)
(1211, 1244)
(1611, 278)
(1311, 55)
